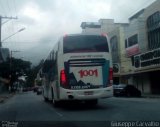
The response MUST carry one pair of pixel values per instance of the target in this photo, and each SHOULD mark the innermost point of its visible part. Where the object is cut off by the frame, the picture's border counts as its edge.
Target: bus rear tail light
(110, 77)
(63, 78)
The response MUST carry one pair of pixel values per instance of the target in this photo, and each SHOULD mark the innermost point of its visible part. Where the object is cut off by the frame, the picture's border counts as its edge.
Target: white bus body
(78, 68)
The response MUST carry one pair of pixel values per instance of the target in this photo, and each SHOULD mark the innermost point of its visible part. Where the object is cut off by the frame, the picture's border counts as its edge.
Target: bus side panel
(58, 67)
(55, 90)
(45, 88)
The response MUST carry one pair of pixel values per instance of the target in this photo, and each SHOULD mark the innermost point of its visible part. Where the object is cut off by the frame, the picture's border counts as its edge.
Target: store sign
(151, 58)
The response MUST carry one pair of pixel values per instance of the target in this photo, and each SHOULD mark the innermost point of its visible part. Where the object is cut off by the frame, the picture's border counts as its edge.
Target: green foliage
(33, 73)
(14, 68)
(5, 69)
(18, 67)
(39, 82)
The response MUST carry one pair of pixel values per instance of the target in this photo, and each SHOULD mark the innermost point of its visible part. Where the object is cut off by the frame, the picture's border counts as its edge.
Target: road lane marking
(59, 114)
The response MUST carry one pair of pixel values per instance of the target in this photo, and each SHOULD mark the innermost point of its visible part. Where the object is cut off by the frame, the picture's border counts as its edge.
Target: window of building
(153, 20)
(153, 28)
(133, 40)
(114, 44)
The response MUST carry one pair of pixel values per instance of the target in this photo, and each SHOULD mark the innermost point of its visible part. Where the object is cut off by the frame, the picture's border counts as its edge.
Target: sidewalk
(4, 96)
(151, 96)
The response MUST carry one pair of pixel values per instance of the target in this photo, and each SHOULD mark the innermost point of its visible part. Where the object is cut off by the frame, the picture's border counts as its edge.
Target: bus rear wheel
(56, 103)
(45, 98)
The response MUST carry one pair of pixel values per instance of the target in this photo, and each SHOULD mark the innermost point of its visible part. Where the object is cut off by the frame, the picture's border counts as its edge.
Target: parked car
(35, 89)
(126, 90)
(30, 88)
(39, 90)
(24, 89)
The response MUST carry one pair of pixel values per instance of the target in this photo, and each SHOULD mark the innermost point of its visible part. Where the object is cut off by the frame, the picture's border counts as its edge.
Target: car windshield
(80, 63)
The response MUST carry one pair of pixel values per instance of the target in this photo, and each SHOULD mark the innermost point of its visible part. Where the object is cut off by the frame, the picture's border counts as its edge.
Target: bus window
(85, 43)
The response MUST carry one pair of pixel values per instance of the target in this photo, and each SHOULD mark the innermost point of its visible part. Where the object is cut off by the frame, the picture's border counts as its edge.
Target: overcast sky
(46, 20)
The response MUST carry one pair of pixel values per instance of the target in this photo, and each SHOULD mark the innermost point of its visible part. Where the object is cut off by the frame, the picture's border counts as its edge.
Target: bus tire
(92, 102)
(45, 98)
(55, 103)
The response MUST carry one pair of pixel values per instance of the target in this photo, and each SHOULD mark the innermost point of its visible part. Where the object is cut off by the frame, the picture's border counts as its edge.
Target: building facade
(146, 63)
(115, 32)
(135, 48)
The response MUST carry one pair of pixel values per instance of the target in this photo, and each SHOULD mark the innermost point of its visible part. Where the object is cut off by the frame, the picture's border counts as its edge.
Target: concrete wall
(92, 30)
(107, 25)
(115, 54)
(132, 29)
(138, 26)
(126, 65)
(142, 36)
(124, 61)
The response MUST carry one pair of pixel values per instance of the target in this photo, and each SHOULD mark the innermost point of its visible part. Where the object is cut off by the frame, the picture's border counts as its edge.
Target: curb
(1, 100)
(154, 97)
(4, 98)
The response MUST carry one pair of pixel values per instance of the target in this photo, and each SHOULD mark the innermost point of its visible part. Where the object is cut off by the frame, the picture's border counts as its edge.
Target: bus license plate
(88, 93)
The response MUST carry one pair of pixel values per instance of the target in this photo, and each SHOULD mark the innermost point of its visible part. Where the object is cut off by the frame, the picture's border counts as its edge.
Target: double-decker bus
(79, 67)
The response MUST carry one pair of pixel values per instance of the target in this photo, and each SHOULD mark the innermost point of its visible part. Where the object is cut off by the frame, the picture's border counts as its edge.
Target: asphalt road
(32, 109)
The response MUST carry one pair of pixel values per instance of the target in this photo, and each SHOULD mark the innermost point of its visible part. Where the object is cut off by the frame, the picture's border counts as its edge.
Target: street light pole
(14, 34)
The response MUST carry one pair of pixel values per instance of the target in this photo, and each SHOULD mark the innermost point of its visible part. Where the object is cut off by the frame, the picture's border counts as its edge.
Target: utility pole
(0, 31)
(12, 51)
(1, 17)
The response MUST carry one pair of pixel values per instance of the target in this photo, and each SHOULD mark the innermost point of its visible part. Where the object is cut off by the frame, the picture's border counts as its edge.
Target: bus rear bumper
(86, 94)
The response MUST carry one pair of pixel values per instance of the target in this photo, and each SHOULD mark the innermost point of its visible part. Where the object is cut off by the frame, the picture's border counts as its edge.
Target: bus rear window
(85, 43)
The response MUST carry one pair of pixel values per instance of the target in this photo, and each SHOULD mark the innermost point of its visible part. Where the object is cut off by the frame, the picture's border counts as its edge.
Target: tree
(33, 73)
(13, 68)
(4, 69)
